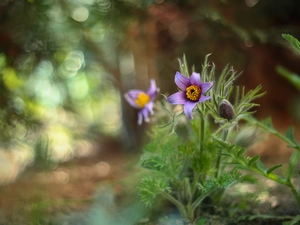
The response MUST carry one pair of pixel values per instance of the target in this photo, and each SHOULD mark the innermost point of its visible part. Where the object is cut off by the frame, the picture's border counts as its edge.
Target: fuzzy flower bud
(248, 136)
(226, 110)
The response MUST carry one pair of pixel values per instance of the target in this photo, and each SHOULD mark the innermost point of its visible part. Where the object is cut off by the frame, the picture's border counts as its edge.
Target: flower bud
(226, 110)
(248, 136)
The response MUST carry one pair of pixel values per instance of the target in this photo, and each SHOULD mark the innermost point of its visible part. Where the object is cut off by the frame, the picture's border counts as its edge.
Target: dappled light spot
(274, 201)
(251, 3)
(104, 5)
(44, 69)
(80, 14)
(246, 188)
(84, 148)
(102, 169)
(112, 121)
(49, 94)
(60, 147)
(13, 161)
(61, 176)
(23, 156)
(8, 169)
(126, 65)
(10, 78)
(18, 105)
(85, 171)
(263, 196)
(41, 86)
(61, 152)
(179, 30)
(271, 183)
(72, 63)
(78, 89)
(248, 42)
(97, 33)
(56, 14)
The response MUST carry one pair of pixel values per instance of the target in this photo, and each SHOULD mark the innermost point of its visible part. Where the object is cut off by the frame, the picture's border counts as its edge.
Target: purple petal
(196, 79)
(131, 96)
(204, 98)
(133, 93)
(143, 115)
(153, 90)
(140, 118)
(182, 81)
(144, 112)
(188, 109)
(149, 107)
(177, 98)
(206, 86)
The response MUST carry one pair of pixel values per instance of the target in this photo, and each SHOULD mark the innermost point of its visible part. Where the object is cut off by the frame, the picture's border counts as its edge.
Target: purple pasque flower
(191, 92)
(143, 101)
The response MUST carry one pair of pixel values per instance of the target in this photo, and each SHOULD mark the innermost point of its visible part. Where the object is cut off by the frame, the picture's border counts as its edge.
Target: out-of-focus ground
(67, 187)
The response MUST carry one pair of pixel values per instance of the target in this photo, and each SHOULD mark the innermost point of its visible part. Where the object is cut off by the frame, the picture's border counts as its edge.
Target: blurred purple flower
(191, 92)
(143, 101)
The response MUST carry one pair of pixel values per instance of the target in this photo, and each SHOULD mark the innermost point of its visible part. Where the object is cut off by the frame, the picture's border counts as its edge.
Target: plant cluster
(192, 158)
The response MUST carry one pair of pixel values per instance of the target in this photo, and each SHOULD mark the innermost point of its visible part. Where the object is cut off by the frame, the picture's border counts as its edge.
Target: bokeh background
(65, 65)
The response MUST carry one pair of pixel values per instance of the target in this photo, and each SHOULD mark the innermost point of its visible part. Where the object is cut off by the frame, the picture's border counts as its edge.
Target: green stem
(198, 201)
(294, 191)
(187, 211)
(194, 185)
(225, 133)
(180, 206)
(190, 212)
(202, 129)
(256, 170)
(201, 149)
(272, 131)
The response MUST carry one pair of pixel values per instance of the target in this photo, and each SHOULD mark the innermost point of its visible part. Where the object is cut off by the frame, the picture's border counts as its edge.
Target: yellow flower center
(142, 99)
(193, 93)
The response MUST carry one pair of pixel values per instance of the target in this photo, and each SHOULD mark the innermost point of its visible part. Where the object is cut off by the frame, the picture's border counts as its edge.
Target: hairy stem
(272, 131)
(180, 206)
(201, 149)
(294, 191)
(225, 133)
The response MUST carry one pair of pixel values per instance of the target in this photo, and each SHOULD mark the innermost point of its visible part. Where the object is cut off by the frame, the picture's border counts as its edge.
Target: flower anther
(142, 100)
(193, 92)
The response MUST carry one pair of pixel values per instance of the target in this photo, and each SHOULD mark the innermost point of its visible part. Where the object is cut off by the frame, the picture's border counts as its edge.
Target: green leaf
(224, 180)
(273, 168)
(184, 67)
(262, 217)
(293, 78)
(150, 187)
(205, 67)
(290, 134)
(261, 166)
(253, 160)
(293, 41)
(240, 152)
(293, 162)
(293, 221)
(269, 125)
